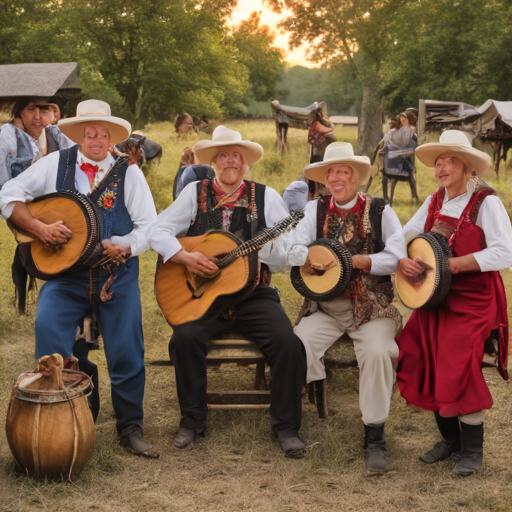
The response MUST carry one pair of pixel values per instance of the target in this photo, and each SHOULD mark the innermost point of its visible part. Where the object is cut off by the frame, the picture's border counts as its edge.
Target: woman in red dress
(441, 350)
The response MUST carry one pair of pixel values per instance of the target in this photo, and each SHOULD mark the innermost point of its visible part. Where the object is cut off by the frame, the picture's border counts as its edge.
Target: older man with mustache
(242, 207)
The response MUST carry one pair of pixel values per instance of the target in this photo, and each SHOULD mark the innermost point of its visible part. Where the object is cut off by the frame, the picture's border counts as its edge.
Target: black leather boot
(317, 394)
(450, 444)
(471, 461)
(375, 449)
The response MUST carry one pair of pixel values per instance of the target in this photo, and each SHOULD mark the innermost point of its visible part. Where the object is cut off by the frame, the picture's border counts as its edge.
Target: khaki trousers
(374, 345)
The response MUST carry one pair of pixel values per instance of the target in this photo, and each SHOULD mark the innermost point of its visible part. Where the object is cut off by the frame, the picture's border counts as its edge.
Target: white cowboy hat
(94, 112)
(454, 141)
(339, 153)
(222, 137)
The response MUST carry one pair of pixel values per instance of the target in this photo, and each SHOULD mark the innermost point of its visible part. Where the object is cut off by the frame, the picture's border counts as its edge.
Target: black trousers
(261, 318)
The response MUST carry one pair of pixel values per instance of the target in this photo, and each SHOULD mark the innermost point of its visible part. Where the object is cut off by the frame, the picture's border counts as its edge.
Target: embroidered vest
(108, 197)
(24, 150)
(244, 223)
(360, 229)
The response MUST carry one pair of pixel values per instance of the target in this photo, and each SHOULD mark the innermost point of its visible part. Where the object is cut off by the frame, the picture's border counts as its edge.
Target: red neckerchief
(90, 170)
(229, 200)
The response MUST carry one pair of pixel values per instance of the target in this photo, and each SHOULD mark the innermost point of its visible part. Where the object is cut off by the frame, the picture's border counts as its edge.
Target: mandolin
(185, 297)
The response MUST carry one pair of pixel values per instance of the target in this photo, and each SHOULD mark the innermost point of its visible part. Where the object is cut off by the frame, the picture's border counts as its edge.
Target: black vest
(241, 224)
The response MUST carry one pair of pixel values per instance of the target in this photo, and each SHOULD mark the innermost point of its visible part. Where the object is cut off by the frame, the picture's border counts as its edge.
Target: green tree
(342, 32)
(448, 50)
(161, 55)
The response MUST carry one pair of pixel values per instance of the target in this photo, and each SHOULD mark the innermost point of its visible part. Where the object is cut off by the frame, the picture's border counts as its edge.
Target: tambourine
(326, 274)
(430, 288)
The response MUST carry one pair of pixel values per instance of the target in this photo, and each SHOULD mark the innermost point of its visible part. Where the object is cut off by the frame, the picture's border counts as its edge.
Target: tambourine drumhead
(47, 259)
(29, 387)
(79, 214)
(431, 290)
(416, 296)
(324, 283)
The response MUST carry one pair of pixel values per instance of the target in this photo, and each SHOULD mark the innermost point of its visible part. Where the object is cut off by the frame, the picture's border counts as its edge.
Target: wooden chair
(235, 348)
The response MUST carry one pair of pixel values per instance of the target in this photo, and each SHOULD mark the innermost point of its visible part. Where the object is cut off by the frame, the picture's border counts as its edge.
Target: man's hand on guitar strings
(196, 262)
(54, 235)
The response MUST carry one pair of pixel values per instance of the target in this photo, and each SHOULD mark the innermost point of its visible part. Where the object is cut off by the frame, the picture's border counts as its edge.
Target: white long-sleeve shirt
(41, 179)
(383, 263)
(175, 221)
(492, 218)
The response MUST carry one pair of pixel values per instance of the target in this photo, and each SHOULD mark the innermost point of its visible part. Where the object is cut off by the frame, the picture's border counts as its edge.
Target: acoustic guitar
(184, 297)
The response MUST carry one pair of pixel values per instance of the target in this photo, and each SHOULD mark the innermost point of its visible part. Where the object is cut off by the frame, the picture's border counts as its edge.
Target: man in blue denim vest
(126, 211)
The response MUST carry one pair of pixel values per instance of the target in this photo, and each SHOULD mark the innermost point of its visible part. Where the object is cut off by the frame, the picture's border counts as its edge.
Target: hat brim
(361, 164)
(74, 129)
(206, 150)
(477, 160)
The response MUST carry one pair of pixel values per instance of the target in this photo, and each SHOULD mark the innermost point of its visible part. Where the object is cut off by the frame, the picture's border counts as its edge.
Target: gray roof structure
(39, 80)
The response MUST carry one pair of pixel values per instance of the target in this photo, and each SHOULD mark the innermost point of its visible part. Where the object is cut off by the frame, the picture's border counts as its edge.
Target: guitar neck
(259, 241)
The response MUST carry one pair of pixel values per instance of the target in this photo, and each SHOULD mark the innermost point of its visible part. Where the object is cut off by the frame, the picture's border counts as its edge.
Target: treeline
(149, 59)
(400, 51)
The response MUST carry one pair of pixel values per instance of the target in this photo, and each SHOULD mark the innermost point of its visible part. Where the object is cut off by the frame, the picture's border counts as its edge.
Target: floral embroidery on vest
(107, 200)
(371, 296)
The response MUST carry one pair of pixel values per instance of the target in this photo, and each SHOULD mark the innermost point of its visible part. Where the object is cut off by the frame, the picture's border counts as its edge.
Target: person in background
(23, 141)
(405, 134)
(28, 137)
(183, 123)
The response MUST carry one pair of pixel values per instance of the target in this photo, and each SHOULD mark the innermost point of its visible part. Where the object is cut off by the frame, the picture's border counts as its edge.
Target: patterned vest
(108, 197)
(246, 223)
(24, 150)
(360, 230)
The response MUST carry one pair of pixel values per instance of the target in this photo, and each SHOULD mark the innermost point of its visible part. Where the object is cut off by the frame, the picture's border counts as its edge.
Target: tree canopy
(152, 59)
(403, 50)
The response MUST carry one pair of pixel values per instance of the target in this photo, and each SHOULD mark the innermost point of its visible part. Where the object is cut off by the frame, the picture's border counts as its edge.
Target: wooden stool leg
(311, 392)
(321, 398)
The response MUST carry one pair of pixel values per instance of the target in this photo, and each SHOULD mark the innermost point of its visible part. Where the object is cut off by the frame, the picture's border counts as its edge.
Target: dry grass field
(237, 466)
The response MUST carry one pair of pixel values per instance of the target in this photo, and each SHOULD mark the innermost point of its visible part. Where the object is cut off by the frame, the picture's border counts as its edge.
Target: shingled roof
(39, 80)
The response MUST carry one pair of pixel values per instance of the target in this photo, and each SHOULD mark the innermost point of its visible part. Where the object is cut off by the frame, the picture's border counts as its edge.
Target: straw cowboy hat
(94, 112)
(455, 142)
(339, 153)
(206, 150)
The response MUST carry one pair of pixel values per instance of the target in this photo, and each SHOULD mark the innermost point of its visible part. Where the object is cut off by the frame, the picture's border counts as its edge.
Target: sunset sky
(271, 19)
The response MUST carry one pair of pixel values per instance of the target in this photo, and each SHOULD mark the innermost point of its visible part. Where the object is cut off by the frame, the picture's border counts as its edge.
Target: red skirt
(441, 350)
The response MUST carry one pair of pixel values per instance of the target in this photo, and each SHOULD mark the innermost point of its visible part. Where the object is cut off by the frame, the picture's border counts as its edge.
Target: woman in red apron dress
(441, 350)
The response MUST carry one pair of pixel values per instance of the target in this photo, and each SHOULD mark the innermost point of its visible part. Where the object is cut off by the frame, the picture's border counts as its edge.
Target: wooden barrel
(51, 433)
